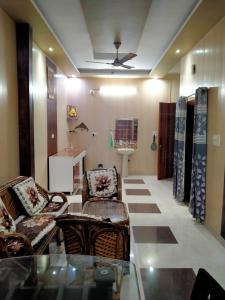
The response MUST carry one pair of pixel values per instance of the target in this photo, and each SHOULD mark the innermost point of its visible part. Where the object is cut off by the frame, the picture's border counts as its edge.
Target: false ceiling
(88, 28)
(81, 31)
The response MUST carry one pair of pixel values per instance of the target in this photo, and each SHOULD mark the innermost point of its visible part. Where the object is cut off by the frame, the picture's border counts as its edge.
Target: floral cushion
(36, 227)
(102, 182)
(6, 221)
(28, 194)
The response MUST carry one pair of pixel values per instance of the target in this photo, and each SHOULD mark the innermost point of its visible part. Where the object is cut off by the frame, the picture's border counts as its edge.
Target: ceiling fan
(118, 62)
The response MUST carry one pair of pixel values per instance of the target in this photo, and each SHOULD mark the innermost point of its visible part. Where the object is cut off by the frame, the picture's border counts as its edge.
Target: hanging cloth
(111, 142)
(198, 175)
(179, 149)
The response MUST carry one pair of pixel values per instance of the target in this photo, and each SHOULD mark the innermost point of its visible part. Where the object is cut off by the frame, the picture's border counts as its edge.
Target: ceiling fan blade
(98, 62)
(127, 57)
(127, 67)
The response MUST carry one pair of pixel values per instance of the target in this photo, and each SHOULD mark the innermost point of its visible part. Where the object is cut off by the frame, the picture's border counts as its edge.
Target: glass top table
(65, 277)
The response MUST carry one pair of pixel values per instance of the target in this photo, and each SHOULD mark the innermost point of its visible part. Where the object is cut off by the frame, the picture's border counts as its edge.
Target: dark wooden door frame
(166, 131)
(25, 98)
(51, 108)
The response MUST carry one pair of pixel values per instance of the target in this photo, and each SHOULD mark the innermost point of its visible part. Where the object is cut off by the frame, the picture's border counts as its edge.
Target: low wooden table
(113, 209)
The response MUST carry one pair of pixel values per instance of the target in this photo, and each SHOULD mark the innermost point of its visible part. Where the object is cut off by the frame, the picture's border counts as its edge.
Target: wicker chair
(86, 195)
(110, 240)
(83, 235)
(10, 242)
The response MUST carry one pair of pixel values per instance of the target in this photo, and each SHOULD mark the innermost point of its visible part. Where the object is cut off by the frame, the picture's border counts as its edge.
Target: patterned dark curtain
(179, 149)
(198, 176)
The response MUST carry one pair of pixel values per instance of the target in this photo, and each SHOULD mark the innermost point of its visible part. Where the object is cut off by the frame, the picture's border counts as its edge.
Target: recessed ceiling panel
(109, 20)
(88, 28)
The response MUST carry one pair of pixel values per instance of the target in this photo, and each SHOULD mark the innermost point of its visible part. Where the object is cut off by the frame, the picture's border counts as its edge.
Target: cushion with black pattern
(27, 192)
(102, 182)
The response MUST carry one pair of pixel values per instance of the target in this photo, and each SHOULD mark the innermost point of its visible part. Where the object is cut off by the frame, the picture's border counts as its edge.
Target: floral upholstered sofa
(27, 217)
(101, 183)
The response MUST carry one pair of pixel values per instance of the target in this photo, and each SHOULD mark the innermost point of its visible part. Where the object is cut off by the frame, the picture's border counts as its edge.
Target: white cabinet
(66, 170)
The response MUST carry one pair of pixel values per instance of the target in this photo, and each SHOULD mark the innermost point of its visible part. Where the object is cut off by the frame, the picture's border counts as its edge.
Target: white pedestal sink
(125, 152)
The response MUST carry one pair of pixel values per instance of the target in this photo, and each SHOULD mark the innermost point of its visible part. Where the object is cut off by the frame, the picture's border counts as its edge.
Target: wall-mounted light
(200, 51)
(59, 76)
(71, 76)
(118, 90)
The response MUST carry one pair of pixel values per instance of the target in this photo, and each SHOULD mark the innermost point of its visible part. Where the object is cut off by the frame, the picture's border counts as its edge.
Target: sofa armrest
(14, 244)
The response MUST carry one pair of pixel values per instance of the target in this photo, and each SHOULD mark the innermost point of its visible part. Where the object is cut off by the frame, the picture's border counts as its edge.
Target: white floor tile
(196, 246)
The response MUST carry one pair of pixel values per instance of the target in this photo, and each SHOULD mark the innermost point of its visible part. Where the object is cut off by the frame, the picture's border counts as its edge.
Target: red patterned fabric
(55, 208)
(102, 182)
(6, 221)
(15, 247)
(36, 227)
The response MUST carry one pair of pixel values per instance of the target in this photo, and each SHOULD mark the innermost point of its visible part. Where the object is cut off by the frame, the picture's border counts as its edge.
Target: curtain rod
(191, 95)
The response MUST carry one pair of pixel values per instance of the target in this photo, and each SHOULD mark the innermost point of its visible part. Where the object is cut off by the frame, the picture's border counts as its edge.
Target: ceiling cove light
(177, 51)
(118, 90)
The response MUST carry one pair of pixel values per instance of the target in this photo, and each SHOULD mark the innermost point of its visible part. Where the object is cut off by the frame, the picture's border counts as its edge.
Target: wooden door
(166, 139)
(51, 108)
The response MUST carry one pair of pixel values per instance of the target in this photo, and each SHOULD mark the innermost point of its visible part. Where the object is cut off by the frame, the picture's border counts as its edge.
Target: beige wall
(209, 57)
(62, 124)
(40, 115)
(9, 134)
(99, 112)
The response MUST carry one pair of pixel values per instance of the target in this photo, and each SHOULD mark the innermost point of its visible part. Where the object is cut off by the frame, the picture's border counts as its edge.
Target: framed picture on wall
(50, 83)
(71, 112)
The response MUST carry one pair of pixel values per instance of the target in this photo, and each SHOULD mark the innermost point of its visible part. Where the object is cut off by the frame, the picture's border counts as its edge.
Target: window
(126, 133)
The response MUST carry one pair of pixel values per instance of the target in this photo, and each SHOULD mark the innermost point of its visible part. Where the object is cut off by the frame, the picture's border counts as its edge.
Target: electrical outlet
(216, 140)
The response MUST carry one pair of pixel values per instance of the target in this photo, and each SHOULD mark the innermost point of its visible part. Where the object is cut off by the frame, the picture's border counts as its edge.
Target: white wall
(209, 57)
(99, 112)
(40, 115)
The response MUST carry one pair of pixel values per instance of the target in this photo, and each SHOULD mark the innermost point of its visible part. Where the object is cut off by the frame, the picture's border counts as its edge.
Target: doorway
(166, 139)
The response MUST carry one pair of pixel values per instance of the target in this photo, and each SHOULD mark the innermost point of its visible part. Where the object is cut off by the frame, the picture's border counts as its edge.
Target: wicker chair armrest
(17, 240)
(119, 187)
(50, 195)
(85, 196)
(62, 195)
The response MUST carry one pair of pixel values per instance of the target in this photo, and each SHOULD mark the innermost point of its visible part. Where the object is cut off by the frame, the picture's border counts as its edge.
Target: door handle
(160, 146)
